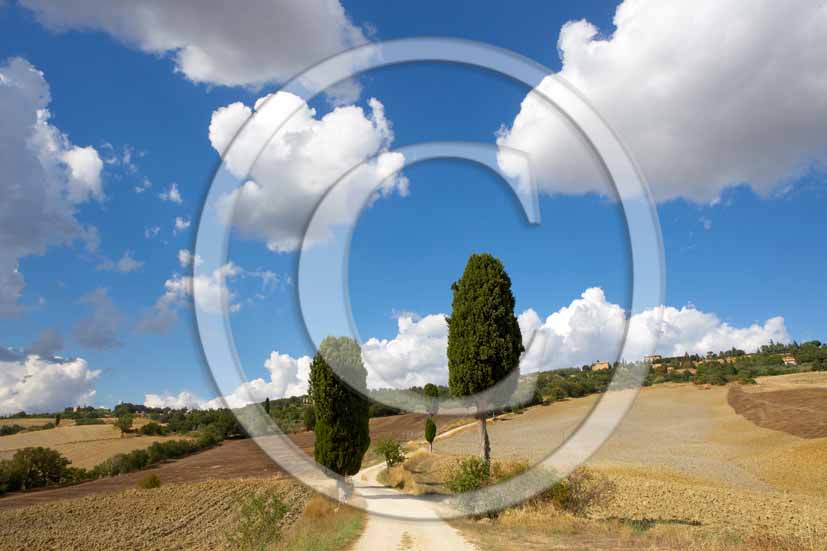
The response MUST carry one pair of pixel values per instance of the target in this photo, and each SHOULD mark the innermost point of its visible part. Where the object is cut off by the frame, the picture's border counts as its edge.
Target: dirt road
(383, 532)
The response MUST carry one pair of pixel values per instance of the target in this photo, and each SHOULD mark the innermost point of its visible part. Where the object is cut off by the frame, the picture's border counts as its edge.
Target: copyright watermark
(322, 282)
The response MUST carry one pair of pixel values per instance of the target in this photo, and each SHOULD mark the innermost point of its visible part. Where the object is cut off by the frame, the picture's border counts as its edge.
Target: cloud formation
(211, 292)
(299, 164)
(124, 265)
(588, 329)
(44, 178)
(35, 384)
(288, 377)
(706, 95)
(216, 42)
(171, 194)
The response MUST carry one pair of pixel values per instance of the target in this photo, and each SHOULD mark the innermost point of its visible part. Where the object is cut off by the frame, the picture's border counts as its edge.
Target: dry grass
(541, 526)
(681, 456)
(84, 445)
(324, 526)
(421, 473)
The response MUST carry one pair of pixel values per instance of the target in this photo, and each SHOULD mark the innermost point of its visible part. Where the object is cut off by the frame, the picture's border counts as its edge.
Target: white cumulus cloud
(300, 163)
(35, 384)
(416, 356)
(706, 95)
(210, 291)
(218, 42)
(44, 177)
(288, 377)
(590, 328)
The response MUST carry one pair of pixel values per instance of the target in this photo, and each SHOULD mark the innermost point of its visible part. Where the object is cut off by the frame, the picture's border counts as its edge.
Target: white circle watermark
(322, 270)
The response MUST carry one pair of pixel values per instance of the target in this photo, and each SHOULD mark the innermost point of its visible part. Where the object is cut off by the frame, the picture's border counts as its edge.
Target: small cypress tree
(341, 408)
(430, 433)
(267, 405)
(484, 340)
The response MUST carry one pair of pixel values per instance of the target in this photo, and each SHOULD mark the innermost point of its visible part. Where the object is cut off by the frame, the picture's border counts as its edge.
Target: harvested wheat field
(178, 516)
(84, 445)
(682, 454)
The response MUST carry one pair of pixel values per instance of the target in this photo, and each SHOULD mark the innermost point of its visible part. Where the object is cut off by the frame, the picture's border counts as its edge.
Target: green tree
(124, 423)
(342, 436)
(430, 433)
(267, 405)
(58, 417)
(309, 418)
(484, 340)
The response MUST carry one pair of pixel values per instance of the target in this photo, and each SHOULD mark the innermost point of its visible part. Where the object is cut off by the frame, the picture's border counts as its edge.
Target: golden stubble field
(84, 445)
(683, 455)
(197, 516)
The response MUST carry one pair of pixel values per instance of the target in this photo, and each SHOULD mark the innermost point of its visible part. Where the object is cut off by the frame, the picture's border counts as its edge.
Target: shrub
(391, 450)
(469, 474)
(89, 421)
(259, 523)
(153, 429)
(7, 430)
(149, 482)
(581, 490)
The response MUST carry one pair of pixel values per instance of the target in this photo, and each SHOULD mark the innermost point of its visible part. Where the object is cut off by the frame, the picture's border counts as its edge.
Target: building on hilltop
(789, 359)
(600, 366)
(654, 358)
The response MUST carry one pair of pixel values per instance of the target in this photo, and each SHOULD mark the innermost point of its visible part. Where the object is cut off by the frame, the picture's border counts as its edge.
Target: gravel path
(384, 532)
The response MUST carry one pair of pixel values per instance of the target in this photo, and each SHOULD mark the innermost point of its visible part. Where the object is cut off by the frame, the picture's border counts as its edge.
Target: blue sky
(740, 211)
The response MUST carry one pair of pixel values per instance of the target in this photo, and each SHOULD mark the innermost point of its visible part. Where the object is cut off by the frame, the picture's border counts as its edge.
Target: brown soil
(801, 412)
(232, 459)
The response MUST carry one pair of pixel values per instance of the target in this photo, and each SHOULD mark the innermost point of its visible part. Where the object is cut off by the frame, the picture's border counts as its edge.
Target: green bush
(391, 450)
(153, 429)
(471, 473)
(89, 421)
(8, 430)
(150, 482)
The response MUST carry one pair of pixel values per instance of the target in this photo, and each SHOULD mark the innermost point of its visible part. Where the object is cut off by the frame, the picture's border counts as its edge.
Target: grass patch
(150, 482)
(325, 526)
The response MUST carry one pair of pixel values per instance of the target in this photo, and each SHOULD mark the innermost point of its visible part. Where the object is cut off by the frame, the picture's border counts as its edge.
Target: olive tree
(484, 340)
(124, 423)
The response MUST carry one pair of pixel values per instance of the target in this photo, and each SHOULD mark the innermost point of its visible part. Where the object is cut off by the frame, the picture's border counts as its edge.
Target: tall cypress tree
(484, 340)
(342, 435)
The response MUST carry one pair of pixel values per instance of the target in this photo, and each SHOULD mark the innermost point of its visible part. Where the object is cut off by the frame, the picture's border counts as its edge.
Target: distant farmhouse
(789, 359)
(600, 366)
